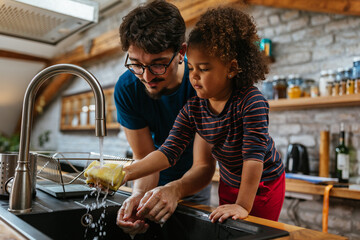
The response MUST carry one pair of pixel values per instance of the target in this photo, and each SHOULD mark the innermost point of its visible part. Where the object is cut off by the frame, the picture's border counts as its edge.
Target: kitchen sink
(77, 224)
(67, 220)
(186, 223)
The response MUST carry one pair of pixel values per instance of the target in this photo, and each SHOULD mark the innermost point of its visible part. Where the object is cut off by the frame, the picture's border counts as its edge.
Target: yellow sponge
(110, 175)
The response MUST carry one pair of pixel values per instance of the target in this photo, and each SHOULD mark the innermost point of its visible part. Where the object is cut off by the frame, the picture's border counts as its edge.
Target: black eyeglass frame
(128, 66)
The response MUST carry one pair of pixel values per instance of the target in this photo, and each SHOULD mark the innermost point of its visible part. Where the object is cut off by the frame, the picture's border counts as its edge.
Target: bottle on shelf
(346, 77)
(350, 83)
(337, 82)
(354, 176)
(342, 158)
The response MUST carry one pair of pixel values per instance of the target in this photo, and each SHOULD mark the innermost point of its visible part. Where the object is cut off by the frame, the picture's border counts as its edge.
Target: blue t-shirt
(136, 110)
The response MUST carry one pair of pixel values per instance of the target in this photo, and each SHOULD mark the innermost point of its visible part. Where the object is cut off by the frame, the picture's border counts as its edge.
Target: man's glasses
(156, 69)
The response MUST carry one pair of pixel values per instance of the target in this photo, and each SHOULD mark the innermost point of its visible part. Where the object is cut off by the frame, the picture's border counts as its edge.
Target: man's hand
(158, 204)
(127, 219)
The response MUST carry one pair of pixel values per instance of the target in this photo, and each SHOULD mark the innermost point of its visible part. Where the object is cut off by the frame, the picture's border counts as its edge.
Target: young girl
(230, 114)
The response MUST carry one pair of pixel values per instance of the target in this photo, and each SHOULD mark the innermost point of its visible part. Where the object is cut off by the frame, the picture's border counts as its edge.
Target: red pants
(268, 201)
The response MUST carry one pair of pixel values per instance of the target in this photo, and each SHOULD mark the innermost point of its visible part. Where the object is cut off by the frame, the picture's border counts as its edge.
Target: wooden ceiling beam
(107, 44)
(345, 7)
(21, 56)
(191, 10)
(103, 45)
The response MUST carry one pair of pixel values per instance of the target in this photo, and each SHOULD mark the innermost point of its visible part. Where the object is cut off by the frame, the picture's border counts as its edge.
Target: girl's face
(209, 76)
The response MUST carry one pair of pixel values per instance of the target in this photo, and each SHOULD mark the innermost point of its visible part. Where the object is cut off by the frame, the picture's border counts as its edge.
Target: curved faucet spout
(20, 197)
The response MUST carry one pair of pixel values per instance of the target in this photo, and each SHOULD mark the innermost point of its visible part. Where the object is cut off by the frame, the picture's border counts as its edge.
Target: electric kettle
(297, 159)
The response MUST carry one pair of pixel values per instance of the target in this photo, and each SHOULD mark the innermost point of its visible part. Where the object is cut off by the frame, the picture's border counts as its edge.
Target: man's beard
(164, 91)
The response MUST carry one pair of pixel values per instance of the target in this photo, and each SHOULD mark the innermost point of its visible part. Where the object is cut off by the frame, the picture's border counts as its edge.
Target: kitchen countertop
(295, 233)
(9, 232)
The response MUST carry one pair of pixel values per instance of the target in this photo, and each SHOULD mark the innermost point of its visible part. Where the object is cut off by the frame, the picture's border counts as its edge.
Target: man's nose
(147, 75)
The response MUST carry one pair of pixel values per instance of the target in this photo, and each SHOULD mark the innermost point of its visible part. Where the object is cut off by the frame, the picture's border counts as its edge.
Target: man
(148, 98)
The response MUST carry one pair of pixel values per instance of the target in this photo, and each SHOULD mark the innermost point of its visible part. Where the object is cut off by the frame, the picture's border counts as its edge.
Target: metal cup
(8, 164)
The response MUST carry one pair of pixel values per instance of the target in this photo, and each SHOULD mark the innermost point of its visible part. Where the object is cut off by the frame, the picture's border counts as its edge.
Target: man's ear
(183, 48)
(233, 68)
(182, 52)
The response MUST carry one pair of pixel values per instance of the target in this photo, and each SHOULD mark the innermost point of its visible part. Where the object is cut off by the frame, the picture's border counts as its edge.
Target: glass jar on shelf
(306, 87)
(329, 88)
(350, 86)
(295, 79)
(293, 91)
(291, 79)
(267, 89)
(314, 91)
(329, 83)
(294, 82)
(324, 76)
(336, 89)
(279, 87)
(356, 74)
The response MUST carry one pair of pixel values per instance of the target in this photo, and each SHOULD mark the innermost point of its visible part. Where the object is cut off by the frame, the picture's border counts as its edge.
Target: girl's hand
(223, 212)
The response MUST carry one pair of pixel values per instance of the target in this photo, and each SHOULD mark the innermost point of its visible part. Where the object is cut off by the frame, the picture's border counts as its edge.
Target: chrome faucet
(20, 197)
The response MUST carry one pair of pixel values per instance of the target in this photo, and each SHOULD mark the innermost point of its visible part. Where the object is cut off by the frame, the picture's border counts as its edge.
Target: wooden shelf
(299, 186)
(317, 102)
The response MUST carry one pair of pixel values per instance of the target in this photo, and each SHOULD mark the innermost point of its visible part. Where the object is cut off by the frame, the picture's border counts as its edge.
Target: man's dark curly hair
(229, 34)
(154, 27)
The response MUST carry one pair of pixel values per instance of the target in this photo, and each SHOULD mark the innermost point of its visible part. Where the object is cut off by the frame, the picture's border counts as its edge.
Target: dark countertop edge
(21, 226)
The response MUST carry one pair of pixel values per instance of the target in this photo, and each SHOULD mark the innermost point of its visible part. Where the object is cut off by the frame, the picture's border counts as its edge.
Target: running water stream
(101, 146)
(97, 226)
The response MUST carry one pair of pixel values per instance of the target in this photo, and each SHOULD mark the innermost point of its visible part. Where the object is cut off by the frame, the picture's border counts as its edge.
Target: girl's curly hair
(229, 34)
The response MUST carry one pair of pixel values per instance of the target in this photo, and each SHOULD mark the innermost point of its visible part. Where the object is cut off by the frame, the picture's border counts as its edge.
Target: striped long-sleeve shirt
(239, 133)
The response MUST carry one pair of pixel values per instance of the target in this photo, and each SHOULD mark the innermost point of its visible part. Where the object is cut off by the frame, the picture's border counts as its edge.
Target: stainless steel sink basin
(185, 224)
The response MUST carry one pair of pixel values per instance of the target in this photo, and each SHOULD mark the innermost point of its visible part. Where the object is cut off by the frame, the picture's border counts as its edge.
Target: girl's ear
(233, 69)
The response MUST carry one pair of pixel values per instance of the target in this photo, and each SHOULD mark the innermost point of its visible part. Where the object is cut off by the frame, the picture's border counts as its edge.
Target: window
(78, 111)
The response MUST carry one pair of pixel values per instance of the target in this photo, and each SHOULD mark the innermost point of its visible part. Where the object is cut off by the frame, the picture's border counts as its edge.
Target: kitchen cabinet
(78, 111)
(317, 102)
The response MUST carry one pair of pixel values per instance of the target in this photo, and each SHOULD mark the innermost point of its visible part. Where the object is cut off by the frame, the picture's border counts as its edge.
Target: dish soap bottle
(342, 157)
